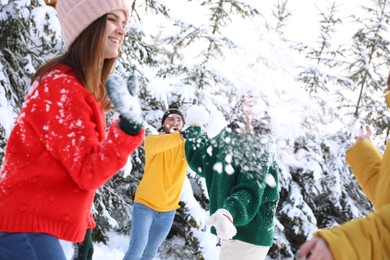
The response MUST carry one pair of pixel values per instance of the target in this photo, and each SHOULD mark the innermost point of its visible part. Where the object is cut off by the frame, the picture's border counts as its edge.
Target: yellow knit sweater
(164, 173)
(365, 238)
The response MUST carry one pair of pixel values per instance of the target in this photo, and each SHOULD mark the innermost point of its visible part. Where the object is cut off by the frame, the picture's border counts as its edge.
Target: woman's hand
(124, 97)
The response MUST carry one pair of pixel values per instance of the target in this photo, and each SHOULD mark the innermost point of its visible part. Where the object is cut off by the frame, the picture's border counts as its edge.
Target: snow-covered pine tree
(28, 36)
(208, 41)
(281, 13)
(369, 67)
(322, 57)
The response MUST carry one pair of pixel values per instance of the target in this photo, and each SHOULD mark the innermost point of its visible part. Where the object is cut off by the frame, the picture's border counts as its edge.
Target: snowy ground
(118, 244)
(115, 250)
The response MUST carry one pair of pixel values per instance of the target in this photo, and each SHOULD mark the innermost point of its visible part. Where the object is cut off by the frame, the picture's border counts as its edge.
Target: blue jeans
(149, 228)
(30, 246)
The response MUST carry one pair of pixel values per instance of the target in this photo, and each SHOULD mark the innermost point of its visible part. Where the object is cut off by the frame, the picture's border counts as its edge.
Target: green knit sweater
(241, 176)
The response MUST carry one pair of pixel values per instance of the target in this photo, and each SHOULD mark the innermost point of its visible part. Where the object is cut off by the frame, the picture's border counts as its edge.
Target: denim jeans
(30, 246)
(149, 228)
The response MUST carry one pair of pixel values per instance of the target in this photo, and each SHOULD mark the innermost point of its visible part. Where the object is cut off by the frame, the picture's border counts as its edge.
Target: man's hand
(364, 134)
(315, 248)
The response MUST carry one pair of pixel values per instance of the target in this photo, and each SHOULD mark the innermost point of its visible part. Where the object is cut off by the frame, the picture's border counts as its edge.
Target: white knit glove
(124, 97)
(197, 115)
(215, 123)
(222, 220)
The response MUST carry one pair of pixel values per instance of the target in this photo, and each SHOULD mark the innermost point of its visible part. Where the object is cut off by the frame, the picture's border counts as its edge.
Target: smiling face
(114, 32)
(173, 123)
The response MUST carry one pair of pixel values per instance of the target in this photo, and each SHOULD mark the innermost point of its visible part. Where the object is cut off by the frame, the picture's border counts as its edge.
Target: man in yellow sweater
(158, 194)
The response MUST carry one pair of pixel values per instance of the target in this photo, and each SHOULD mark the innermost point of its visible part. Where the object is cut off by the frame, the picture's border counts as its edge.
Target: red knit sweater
(57, 155)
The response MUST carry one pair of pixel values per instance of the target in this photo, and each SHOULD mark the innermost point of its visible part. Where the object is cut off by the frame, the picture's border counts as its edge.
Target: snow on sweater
(238, 170)
(57, 156)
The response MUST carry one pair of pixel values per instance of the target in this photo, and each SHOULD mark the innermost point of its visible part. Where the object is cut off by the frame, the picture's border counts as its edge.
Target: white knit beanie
(76, 15)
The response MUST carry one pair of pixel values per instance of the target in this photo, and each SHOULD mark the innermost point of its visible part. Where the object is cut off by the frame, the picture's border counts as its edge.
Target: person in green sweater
(241, 175)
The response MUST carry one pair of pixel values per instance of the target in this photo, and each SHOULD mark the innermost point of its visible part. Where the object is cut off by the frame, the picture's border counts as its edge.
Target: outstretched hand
(364, 134)
(124, 97)
(315, 248)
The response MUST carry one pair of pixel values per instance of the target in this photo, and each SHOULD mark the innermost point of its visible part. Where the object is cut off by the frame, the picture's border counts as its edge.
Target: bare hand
(314, 249)
(364, 134)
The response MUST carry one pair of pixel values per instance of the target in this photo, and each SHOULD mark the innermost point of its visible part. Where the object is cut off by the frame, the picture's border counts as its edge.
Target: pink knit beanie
(76, 15)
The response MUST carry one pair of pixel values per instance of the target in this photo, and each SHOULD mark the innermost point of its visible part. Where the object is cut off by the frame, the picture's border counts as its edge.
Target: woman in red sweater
(59, 152)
